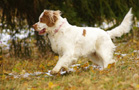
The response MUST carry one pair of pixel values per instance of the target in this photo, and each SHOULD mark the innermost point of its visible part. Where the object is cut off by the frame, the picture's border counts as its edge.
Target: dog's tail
(124, 27)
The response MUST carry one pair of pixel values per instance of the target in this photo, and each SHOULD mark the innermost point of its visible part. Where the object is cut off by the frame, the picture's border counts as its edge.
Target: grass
(124, 75)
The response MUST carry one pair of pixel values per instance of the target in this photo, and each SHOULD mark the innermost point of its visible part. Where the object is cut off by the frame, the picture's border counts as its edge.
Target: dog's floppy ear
(50, 17)
(48, 12)
(52, 13)
(57, 12)
(45, 12)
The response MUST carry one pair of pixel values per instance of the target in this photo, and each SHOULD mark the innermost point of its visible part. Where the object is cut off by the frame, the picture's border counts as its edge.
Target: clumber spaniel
(72, 42)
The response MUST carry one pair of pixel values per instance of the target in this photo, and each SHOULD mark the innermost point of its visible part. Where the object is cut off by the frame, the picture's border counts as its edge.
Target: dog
(71, 42)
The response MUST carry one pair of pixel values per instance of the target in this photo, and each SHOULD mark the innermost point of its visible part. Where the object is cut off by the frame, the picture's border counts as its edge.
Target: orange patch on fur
(35, 26)
(50, 18)
(84, 32)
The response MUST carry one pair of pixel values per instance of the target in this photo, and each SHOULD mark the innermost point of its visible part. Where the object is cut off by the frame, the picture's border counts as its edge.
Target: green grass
(124, 75)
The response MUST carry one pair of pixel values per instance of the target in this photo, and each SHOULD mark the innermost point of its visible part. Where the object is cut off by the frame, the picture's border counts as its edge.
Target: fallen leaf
(85, 65)
(72, 88)
(110, 65)
(75, 68)
(137, 86)
(56, 57)
(23, 72)
(91, 69)
(134, 41)
(3, 77)
(52, 85)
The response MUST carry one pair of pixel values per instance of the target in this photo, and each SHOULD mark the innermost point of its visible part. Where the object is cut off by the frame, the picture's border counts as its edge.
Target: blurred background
(18, 38)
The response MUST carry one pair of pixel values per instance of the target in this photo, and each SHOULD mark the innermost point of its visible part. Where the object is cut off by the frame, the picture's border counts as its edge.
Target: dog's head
(48, 18)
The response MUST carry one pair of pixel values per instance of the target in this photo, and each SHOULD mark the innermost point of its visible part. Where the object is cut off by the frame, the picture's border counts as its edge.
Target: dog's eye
(41, 20)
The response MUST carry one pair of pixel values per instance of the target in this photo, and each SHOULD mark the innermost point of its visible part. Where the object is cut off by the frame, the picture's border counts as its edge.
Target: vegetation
(121, 76)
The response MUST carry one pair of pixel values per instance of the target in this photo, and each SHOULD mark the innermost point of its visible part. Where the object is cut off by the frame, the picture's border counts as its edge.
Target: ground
(124, 75)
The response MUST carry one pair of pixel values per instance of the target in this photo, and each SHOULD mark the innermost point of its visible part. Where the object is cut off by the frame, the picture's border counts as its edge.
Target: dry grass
(124, 75)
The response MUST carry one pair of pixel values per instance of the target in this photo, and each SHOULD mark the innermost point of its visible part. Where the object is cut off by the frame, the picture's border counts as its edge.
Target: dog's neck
(58, 27)
(56, 30)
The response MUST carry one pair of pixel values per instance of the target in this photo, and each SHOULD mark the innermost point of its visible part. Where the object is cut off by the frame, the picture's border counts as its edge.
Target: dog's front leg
(64, 62)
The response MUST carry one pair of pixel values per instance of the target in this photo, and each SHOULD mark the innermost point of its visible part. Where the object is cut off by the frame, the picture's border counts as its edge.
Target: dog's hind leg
(105, 53)
(96, 59)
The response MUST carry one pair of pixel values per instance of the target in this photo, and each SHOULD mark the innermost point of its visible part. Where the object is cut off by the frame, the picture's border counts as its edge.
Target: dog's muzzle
(41, 32)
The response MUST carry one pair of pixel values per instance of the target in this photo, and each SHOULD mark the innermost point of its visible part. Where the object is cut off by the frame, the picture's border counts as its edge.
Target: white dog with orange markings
(72, 42)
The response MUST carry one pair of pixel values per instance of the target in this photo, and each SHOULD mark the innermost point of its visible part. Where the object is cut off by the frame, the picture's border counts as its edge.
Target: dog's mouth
(42, 31)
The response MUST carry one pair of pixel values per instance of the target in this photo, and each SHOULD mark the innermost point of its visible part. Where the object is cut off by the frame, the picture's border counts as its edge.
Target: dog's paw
(53, 72)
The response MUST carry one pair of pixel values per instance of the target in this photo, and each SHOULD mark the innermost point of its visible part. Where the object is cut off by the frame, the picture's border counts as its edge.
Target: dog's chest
(56, 44)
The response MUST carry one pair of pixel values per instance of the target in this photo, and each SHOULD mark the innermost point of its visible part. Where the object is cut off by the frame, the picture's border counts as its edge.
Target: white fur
(124, 27)
(70, 43)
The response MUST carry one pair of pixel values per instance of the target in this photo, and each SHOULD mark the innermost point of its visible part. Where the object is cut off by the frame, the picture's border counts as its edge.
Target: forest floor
(32, 74)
